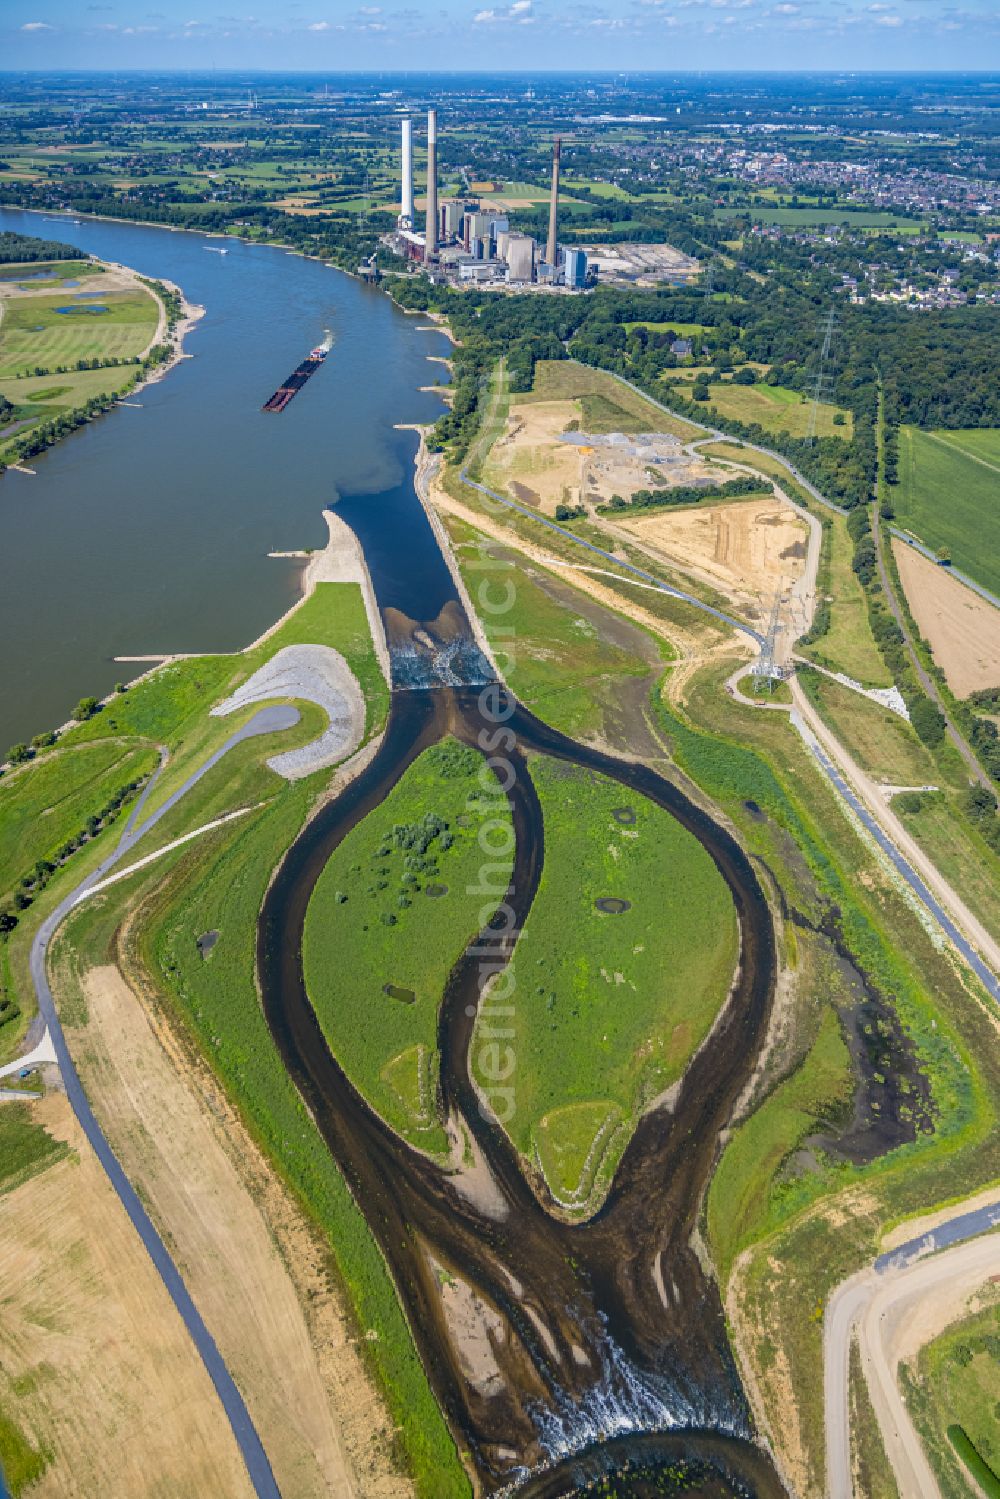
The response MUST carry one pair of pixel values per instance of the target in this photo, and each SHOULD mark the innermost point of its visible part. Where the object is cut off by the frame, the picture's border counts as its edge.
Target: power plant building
(575, 269)
(520, 257)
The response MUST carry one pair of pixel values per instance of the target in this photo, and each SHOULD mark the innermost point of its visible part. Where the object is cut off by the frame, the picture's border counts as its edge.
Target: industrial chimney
(431, 241)
(406, 206)
(551, 247)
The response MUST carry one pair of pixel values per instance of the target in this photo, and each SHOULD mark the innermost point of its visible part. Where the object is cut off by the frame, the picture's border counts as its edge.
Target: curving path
(882, 1304)
(266, 721)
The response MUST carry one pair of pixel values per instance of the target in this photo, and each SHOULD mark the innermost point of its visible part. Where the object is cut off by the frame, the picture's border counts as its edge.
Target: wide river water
(148, 530)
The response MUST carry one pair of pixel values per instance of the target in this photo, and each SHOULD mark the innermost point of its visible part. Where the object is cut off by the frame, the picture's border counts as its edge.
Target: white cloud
(786, 9)
(319, 26)
(889, 21)
(36, 26)
(519, 11)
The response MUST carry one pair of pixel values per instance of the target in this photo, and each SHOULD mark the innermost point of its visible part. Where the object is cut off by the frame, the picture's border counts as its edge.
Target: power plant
(406, 206)
(431, 231)
(473, 243)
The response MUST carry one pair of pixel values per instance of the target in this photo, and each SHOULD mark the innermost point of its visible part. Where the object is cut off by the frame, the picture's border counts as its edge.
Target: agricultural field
(778, 409)
(97, 315)
(807, 217)
(947, 496)
(604, 1025)
(952, 1391)
(390, 915)
(961, 628)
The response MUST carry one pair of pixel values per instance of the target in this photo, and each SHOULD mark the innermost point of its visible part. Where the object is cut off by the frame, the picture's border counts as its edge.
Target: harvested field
(98, 1369)
(962, 629)
(748, 550)
(245, 1256)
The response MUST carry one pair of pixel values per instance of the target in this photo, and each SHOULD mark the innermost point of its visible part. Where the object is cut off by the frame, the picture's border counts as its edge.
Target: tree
(744, 376)
(85, 708)
(18, 753)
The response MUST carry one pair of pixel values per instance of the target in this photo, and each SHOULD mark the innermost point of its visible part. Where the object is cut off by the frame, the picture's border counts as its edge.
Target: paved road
(965, 1226)
(266, 721)
(926, 680)
(895, 1309)
(909, 874)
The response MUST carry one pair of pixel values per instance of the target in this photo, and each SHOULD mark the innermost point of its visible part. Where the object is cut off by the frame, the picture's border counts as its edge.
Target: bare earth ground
(535, 467)
(529, 459)
(748, 550)
(962, 629)
(108, 1380)
(251, 1265)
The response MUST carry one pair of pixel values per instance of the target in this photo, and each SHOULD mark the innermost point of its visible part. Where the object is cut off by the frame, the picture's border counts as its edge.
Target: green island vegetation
(952, 1393)
(605, 1023)
(392, 912)
(946, 496)
(216, 883)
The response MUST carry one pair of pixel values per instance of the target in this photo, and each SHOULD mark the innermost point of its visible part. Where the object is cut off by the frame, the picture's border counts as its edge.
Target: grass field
(25, 1147)
(20, 1462)
(777, 409)
(554, 655)
(607, 404)
(965, 860)
(947, 496)
(393, 909)
(604, 1022)
(34, 332)
(741, 1190)
(683, 330)
(803, 217)
(848, 645)
(47, 801)
(954, 1385)
(882, 742)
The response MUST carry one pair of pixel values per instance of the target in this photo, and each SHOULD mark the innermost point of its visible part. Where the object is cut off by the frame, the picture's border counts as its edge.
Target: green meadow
(947, 496)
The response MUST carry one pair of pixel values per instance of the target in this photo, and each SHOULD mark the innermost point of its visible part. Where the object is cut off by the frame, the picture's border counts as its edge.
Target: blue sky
(495, 34)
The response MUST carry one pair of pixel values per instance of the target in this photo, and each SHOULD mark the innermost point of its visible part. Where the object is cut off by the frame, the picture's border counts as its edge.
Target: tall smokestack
(406, 206)
(550, 248)
(431, 243)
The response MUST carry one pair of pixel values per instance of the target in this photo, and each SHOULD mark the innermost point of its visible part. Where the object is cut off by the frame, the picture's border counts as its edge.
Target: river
(148, 530)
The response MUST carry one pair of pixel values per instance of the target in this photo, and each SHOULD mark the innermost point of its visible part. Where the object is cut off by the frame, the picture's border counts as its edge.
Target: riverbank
(60, 373)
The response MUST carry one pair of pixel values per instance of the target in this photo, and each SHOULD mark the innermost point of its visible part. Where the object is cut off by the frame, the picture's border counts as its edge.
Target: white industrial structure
(406, 206)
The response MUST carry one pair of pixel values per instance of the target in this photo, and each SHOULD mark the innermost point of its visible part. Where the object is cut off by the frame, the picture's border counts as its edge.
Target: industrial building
(469, 243)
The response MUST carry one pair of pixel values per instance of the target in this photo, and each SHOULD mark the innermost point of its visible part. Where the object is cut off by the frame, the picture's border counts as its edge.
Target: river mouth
(599, 1332)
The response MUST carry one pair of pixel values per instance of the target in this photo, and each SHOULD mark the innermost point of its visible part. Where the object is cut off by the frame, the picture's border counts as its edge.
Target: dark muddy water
(609, 1327)
(149, 529)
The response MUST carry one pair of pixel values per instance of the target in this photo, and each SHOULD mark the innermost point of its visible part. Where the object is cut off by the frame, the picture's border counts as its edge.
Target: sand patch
(108, 1380)
(530, 454)
(250, 1264)
(962, 630)
(748, 550)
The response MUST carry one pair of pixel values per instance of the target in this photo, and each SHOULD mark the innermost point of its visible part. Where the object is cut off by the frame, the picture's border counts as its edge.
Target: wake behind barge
(298, 377)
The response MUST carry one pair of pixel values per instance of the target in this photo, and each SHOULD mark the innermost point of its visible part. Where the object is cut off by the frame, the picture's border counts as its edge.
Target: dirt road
(894, 1315)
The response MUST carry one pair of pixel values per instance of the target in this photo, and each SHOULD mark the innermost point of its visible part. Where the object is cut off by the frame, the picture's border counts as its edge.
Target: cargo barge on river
(299, 376)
